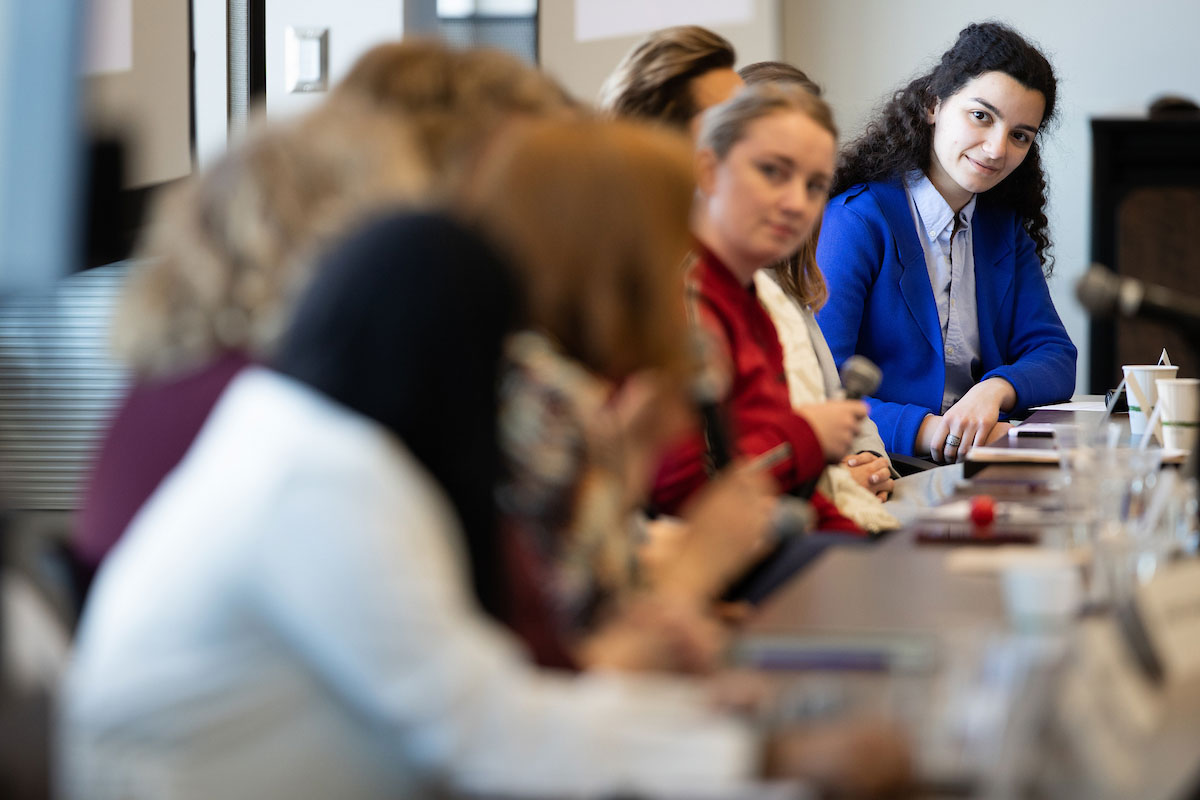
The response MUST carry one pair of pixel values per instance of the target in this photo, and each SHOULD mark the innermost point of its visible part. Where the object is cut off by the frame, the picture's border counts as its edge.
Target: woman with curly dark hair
(935, 250)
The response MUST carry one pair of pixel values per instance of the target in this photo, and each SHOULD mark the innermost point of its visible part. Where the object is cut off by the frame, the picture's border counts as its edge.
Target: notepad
(872, 652)
(1013, 455)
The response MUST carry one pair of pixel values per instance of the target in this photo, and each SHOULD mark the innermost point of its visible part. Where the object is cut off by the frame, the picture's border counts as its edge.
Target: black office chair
(26, 702)
(909, 465)
(25, 731)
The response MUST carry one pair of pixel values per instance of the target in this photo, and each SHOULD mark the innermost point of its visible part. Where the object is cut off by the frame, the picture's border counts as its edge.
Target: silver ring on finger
(952, 440)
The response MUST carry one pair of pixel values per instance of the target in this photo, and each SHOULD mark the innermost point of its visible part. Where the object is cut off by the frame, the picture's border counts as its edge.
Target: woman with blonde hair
(224, 259)
(764, 163)
(454, 100)
(671, 76)
(228, 255)
(596, 387)
(792, 291)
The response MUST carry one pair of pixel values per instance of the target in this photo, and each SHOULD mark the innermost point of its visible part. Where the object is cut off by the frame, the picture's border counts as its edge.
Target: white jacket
(289, 617)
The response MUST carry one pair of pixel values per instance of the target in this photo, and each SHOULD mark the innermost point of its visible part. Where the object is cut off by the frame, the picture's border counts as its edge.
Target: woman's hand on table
(971, 422)
(871, 472)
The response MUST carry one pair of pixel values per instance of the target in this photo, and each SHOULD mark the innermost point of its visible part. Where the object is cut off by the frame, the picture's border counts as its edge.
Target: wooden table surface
(898, 586)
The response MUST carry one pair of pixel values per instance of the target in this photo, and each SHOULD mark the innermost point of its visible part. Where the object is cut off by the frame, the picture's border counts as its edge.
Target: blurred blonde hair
(227, 253)
(653, 81)
(594, 215)
(454, 100)
(724, 125)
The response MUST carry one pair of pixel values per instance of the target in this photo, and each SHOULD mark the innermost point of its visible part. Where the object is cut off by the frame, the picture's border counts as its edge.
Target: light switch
(306, 59)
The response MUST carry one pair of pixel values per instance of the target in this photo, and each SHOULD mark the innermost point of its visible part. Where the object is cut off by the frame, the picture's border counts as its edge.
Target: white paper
(1015, 455)
(995, 560)
(108, 45)
(495, 8)
(1037, 430)
(602, 19)
(1080, 405)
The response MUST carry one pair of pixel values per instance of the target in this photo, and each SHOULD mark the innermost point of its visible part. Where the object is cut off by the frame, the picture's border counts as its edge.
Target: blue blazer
(881, 305)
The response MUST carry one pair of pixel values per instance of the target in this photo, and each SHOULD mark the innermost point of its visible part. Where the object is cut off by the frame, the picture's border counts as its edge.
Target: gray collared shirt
(949, 257)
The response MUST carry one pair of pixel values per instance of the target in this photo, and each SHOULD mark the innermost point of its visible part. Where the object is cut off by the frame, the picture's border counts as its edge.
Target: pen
(776, 455)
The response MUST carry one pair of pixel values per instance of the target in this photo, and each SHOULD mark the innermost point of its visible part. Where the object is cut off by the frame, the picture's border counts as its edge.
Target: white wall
(1112, 58)
(353, 28)
(210, 26)
(583, 66)
(149, 103)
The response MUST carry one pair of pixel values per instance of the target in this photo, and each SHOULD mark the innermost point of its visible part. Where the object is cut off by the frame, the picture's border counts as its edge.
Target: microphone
(709, 386)
(791, 550)
(1105, 294)
(860, 376)
(792, 516)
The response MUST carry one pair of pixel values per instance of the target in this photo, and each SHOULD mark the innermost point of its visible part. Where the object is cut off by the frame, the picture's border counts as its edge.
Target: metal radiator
(58, 389)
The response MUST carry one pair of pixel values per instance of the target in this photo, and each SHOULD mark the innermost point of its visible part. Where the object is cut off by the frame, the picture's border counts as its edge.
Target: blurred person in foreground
(228, 253)
(596, 386)
(223, 260)
(455, 100)
(574, 476)
(312, 630)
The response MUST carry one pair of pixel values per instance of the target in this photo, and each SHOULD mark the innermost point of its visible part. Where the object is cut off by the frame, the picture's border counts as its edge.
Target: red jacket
(757, 404)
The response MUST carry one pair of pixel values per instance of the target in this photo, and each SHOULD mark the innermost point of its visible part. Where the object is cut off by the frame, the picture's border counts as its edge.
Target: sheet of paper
(1073, 405)
(995, 560)
(1020, 455)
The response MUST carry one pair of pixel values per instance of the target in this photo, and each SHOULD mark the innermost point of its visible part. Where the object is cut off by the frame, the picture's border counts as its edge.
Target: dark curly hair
(900, 139)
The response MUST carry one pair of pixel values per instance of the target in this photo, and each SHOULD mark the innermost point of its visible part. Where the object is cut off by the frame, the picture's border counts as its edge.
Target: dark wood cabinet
(1145, 225)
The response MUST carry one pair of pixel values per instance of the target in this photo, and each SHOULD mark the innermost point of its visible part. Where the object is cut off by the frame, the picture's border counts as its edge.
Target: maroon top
(759, 408)
(152, 430)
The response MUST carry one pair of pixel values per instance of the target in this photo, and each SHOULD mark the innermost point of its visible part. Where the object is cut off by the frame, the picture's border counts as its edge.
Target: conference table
(920, 632)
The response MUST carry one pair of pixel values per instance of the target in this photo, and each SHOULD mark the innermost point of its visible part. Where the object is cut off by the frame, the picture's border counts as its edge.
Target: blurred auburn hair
(799, 274)
(653, 81)
(594, 215)
(227, 253)
(453, 100)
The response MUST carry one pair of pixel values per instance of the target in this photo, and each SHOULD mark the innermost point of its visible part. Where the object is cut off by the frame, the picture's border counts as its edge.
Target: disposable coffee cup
(1180, 402)
(1042, 591)
(1142, 393)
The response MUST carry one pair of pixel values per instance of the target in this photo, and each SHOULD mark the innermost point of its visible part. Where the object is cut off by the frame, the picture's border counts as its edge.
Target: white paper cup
(1180, 401)
(1042, 592)
(1142, 393)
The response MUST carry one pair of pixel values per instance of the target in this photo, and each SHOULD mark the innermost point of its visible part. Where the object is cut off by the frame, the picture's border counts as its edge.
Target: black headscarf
(404, 324)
